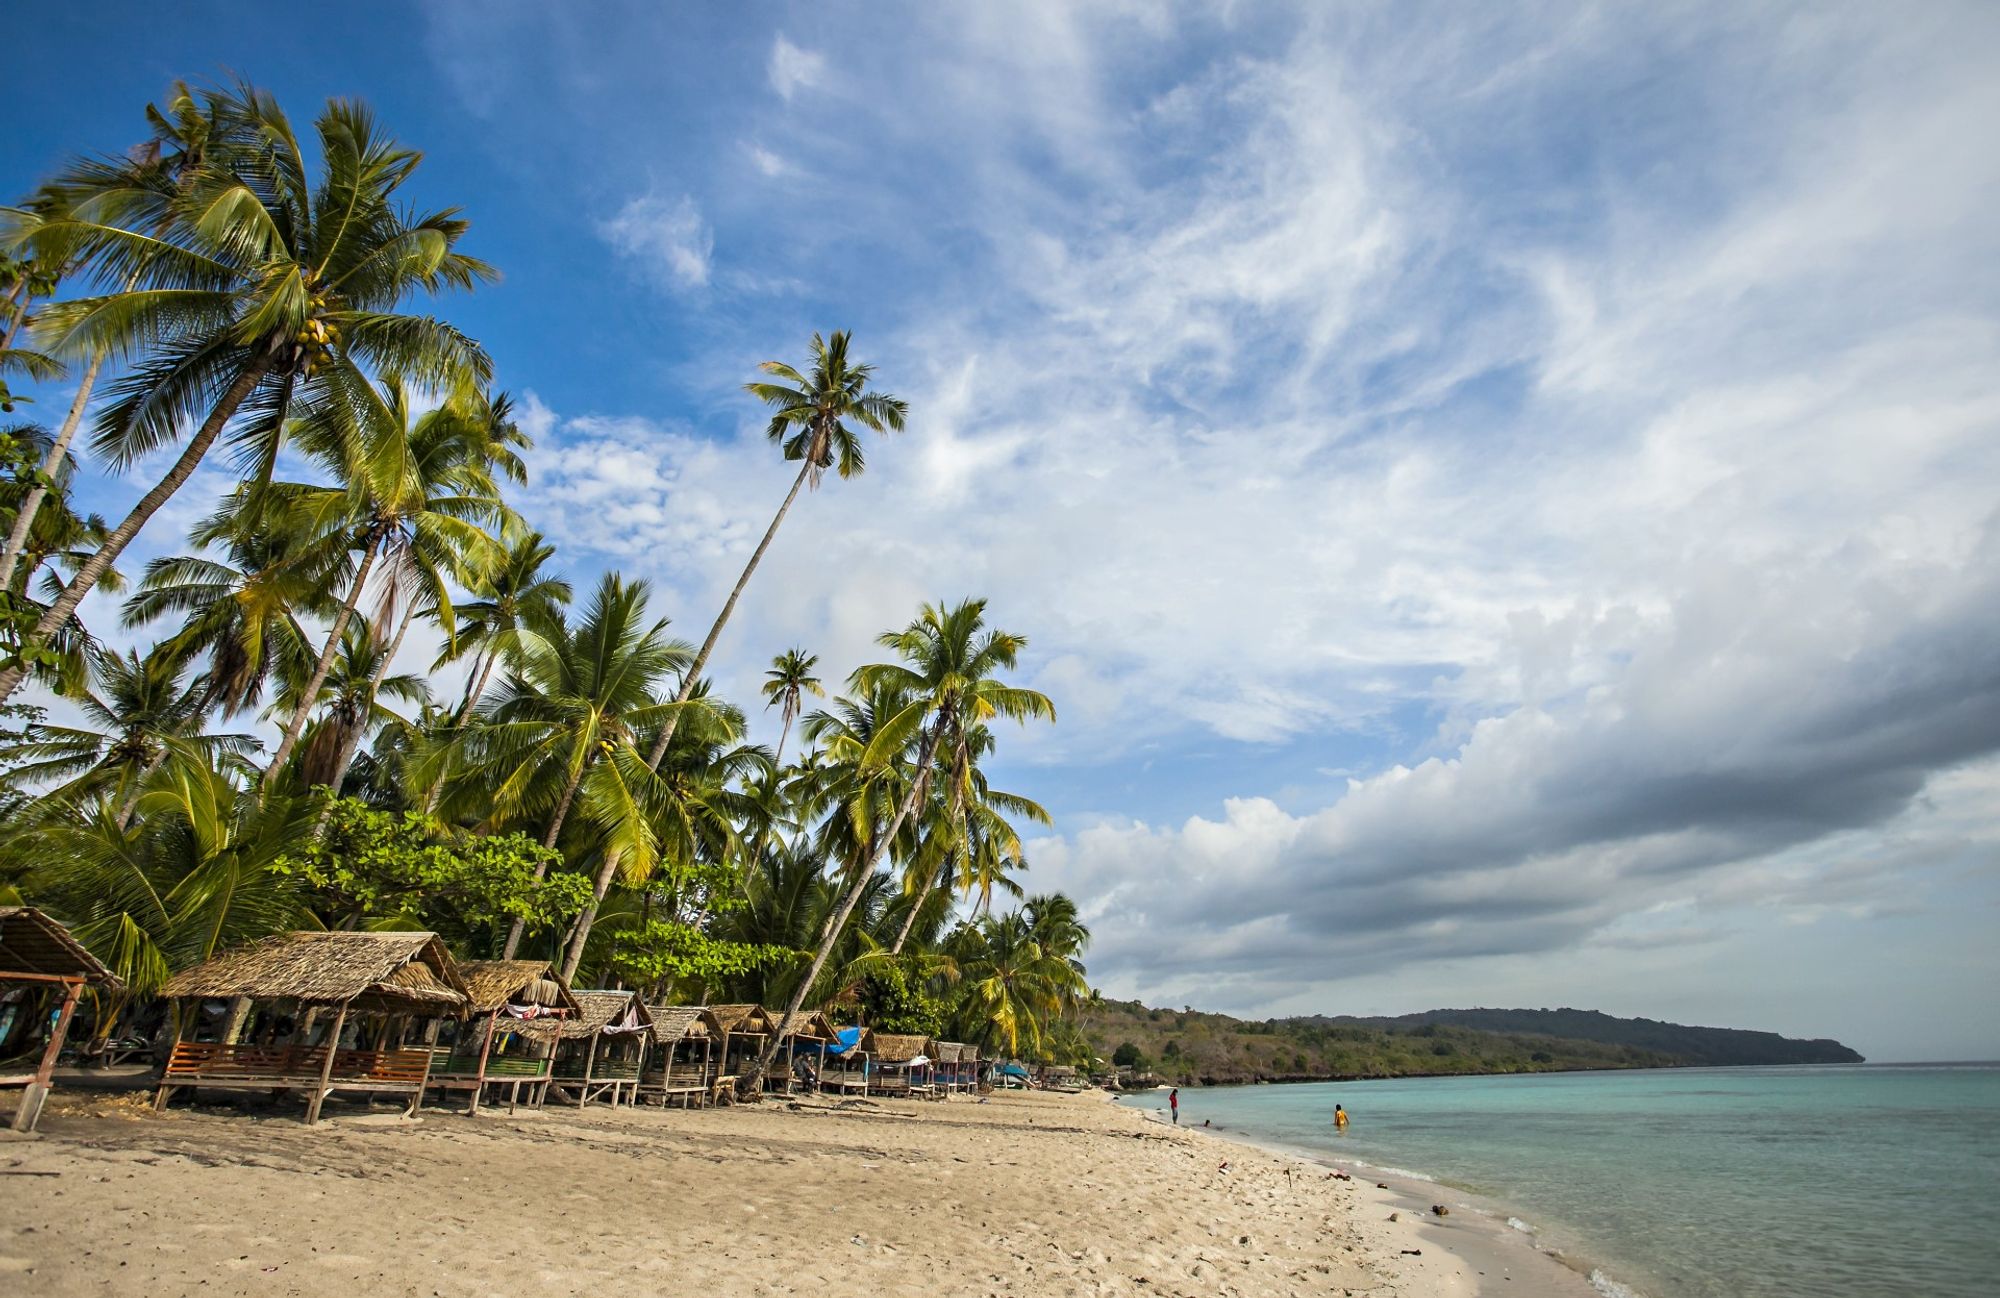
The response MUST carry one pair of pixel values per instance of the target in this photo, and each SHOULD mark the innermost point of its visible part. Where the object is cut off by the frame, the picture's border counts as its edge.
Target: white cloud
(666, 236)
(793, 69)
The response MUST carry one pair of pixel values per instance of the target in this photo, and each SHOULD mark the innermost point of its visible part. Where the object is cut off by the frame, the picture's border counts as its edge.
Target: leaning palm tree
(268, 288)
(949, 684)
(566, 715)
(350, 706)
(785, 685)
(810, 422)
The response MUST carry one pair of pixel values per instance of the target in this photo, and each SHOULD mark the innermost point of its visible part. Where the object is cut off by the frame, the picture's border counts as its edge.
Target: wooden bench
(217, 1066)
(460, 1072)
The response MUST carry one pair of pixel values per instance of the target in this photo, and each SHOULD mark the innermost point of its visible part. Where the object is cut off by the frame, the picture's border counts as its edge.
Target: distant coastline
(1144, 1045)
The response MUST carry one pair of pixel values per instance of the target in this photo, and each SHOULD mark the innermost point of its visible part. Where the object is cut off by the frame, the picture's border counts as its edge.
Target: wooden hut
(953, 1064)
(40, 962)
(487, 1050)
(601, 1052)
(800, 1051)
(896, 1061)
(846, 1073)
(744, 1029)
(378, 985)
(683, 1055)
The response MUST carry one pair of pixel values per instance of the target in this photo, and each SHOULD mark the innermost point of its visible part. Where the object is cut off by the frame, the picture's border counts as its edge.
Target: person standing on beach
(1174, 1103)
(1339, 1118)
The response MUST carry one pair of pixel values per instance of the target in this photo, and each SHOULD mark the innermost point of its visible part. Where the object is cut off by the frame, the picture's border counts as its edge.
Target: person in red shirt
(1174, 1103)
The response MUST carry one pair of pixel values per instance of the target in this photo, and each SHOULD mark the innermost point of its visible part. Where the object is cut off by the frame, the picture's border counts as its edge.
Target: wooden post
(632, 1097)
(589, 1067)
(37, 1091)
(485, 1047)
(326, 1069)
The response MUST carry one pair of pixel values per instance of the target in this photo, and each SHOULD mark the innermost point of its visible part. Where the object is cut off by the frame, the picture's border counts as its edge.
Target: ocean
(1798, 1182)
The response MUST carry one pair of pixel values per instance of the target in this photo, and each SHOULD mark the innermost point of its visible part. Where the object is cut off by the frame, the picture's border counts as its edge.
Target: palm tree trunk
(581, 937)
(783, 734)
(325, 664)
(477, 689)
(693, 674)
(17, 307)
(352, 744)
(748, 1084)
(60, 612)
(541, 868)
(24, 519)
(130, 802)
(910, 920)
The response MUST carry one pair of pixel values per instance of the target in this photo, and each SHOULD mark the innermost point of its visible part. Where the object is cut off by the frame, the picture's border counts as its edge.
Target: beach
(1026, 1193)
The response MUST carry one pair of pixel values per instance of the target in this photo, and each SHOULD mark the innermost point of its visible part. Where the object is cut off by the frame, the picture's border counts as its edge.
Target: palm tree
(946, 684)
(417, 490)
(137, 712)
(810, 424)
(568, 713)
(971, 835)
(1013, 985)
(161, 168)
(241, 610)
(514, 594)
(785, 684)
(265, 290)
(350, 699)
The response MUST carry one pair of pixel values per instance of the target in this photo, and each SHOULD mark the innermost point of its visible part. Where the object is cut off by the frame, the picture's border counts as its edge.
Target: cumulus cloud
(666, 236)
(1615, 505)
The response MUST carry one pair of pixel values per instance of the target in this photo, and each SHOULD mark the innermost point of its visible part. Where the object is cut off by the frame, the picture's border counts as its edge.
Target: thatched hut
(487, 1050)
(380, 986)
(683, 1054)
(844, 1064)
(897, 1061)
(42, 967)
(601, 1052)
(955, 1067)
(796, 1067)
(745, 1029)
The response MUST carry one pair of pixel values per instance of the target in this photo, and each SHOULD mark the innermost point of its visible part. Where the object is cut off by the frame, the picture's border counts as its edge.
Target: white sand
(1028, 1194)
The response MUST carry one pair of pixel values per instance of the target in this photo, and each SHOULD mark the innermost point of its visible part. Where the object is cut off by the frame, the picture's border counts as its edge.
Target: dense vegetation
(1185, 1047)
(236, 298)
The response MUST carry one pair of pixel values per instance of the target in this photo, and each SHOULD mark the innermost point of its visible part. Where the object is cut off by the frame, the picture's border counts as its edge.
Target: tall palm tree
(137, 712)
(269, 287)
(810, 422)
(418, 493)
(516, 593)
(786, 684)
(568, 714)
(948, 684)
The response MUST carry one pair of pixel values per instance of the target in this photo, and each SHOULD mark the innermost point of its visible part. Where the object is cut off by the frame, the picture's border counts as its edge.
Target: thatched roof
(673, 1023)
(493, 983)
(398, 973)
(948, 1052)
(742, 1020)
(601, 1009)
(813, 1026)
(894, 1047)
(32, 943)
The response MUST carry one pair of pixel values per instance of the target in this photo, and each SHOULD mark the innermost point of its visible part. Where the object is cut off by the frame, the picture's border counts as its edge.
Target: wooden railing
(198, 1061)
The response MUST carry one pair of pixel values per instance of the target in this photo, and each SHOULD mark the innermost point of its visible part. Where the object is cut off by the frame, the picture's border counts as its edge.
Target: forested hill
(1187, 1046)
(1688, 1045)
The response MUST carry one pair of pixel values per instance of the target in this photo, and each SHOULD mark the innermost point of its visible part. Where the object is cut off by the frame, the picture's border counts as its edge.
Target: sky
(1505, 499)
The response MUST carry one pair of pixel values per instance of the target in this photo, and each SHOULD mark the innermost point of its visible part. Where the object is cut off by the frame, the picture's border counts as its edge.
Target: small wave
(1520, 1225)
(1395, 1171)
(1610, 1288)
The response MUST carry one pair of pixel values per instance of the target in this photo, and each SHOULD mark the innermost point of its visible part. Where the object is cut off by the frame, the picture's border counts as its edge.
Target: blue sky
(1505, 502)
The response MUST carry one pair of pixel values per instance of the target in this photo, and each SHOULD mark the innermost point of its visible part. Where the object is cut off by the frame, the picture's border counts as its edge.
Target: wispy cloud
(666, 236)
(793, 69)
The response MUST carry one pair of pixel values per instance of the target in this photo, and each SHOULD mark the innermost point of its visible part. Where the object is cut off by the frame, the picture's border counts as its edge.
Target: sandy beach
(1023, 1194)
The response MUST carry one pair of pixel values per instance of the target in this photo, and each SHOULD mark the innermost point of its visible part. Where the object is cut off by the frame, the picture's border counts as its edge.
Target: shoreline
(1481, 1231)
(1025, 1194)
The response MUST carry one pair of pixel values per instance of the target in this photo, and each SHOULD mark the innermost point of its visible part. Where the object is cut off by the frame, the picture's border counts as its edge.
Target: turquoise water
(1812, 1182)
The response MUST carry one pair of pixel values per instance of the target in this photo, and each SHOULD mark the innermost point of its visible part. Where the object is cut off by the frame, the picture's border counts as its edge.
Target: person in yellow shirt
(1339, 1118)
